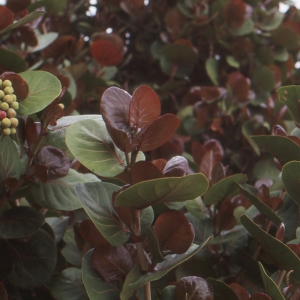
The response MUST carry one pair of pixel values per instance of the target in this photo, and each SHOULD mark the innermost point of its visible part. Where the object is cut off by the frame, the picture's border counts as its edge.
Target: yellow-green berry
(6, 83)
(8, 90)
(13, 130)
(6, 131)
(14, 97)
(5, 106)
(14, 105)
(61, 106)
(0, 82)
(5, 123)
(14, 122)
(1, 94)
(8, 99)
(11, 113)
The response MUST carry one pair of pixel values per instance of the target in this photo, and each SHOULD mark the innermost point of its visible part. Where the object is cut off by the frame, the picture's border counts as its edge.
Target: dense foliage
(149, 150)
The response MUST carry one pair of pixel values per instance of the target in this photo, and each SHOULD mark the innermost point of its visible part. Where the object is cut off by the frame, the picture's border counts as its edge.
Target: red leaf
(218, 172)
(144, 107)
(176, 167)
(216, 147)
(174, 232)
(91, 234)
(6, 17)
(20, 86)
(195, 287)
(241, 293)
(239, 85)
(144, 170)
(160, 163)
(155, 134)
(17, 5)
(198, 152)
(106, 53)
(112, 263)
(234, 13)
(41, 172)
(207, 164)
(260, 296)
(31, 134)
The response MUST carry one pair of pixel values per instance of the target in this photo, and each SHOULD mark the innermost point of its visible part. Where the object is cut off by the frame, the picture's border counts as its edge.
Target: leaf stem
(280, 277)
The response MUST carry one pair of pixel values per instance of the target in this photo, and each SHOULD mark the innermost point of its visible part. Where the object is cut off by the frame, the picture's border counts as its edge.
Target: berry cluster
(8, 107)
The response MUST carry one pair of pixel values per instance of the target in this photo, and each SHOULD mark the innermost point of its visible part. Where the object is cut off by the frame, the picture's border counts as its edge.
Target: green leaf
(272, 22)
(263, 79)
(211, 66)
(43, 89)
(27, 19)
(59, 193)
(10, 163)
(275, 249)
(59, 226)
(289, 96)
(262, 207)
(270, 286)
(222, 290)
(89, 141)
(168, 293)
(136, 278)
(162, 190)
(44, 40)
(281, 54)
(232, 61)
(68, 285)
(96, 200)
(246, 28)
(34, 261)
(290, 179)
(12, 61)
(247, 129)
(147, 217)
(95, 286)
(20, 221)
(153, 245)
(281, 147)
(219, 190)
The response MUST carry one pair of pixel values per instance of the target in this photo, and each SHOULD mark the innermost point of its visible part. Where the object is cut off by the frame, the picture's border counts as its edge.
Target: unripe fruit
(5, 123)
(1, 94)
(8, 99)
(14, 122)
(8, 90)
(2, 114)
(6, 83)
(0, 82)
(11, 113)
(14, 97)
(5, 106)
(6, 131)
(13, 130)
(14, 105)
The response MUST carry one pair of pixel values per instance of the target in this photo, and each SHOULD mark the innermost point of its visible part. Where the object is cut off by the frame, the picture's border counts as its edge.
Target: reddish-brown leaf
(31, 134)
(263, 193)
(174, 21)
(3, 293)
(275, 203)
(241, 293)
(279, 130)
(41, 172)
(260, 296)
(144, 107)
(144, 170)
(106, 53)
(91, 234)
(177, 166)
(198, 152)
(234, 13)
(131, 6)
(280, 232)
(218, 172)
(174, 232)
(112, 263)
(55, 159)
(239, 86)
(157, 133)
(6, 17)
(20, 86)
(207, 164)
(28, 36)
(17, 5)
(216, 147)
(160, 163)
(195, 287)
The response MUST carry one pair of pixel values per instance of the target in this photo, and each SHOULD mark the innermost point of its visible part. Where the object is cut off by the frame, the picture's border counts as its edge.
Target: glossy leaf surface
(290, 179)
(162, 190)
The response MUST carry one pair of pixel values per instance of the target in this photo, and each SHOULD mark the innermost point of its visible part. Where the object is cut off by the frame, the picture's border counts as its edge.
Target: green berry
(14, 122)
(11, 113)
(14, 105)
(0, 82)
(13, 130)
(8, 90)
(14, 97)
(6, 131)
(6, 83)
(8, 99)
(1, 94)
(5, 123)
(5, 106)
